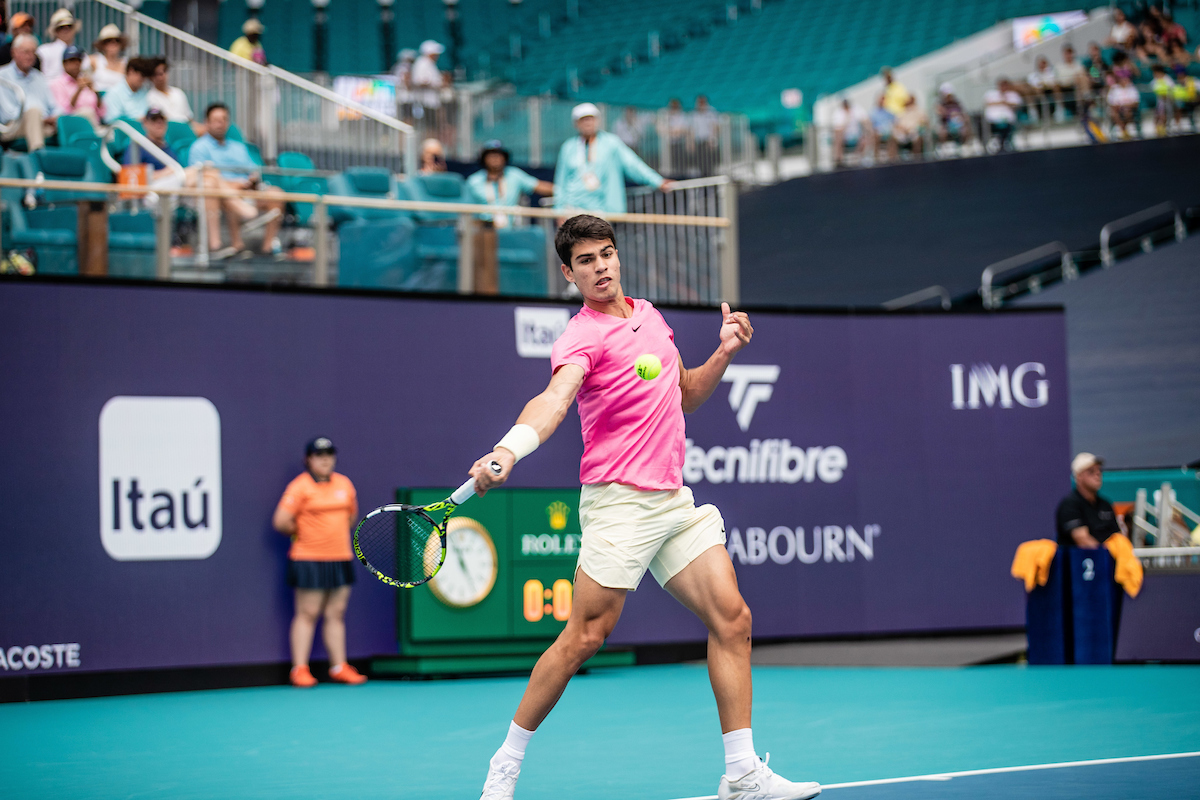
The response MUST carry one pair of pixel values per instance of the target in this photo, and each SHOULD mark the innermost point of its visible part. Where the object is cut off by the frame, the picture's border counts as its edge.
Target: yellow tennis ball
(648, 366)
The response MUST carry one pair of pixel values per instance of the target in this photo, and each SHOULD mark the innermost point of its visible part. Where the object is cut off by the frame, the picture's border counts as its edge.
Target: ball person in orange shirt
(317, 510)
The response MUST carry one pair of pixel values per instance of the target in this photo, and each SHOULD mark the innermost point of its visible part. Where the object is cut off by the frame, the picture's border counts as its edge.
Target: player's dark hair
(581, 228)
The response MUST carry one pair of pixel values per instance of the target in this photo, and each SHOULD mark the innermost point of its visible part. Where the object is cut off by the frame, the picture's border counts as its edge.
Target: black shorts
(320, 574)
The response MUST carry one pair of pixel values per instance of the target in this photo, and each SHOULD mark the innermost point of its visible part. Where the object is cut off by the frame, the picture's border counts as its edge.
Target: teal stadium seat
(376, 182)
(300, 184)
(438, 187)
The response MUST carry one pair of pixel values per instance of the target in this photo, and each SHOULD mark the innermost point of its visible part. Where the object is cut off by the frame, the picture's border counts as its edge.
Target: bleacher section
(1134, 357)
(864, 237)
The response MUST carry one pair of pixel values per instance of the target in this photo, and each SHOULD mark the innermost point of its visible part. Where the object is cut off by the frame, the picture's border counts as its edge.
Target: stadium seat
(381, 254)
(301, 184)
(438, 187)
(376, 182)
(180, 136)
(522, 258)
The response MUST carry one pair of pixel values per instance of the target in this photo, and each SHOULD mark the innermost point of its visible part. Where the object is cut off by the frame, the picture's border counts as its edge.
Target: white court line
(945, 776)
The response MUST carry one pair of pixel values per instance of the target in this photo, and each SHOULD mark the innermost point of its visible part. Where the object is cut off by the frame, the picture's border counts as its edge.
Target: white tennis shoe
(763, 784)
(501, 781)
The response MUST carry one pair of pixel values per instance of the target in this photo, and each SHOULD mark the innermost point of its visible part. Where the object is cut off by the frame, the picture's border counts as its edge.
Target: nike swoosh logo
(635, 330)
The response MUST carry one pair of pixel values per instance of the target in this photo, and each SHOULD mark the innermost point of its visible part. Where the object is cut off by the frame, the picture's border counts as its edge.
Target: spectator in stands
(108, 63)
(129, 98)
(499, 184)
(249, 44)
(1000, 111)
(427, 80)
(908, 131)
(317, 510)
(1072, 81)
(1084, 518)
(592, 167)
(1164, 98)
(171, 100)
(629, 128)
(678, 134)
(155, 126)
(953, 124)
(73, 91)
(238, 172)
(1124, 101)
(20, 23)
(705, 133)
(1187, 96)
(402, 72)
(895, 93)
(851, 129)
(1123, 35)
(38, 118)
(433, 157)
(882, 122)
(60, 35)
(1044, 93)
(1173, 32)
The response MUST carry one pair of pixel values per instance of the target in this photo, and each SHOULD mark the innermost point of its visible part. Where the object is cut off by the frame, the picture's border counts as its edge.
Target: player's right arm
(543, 413)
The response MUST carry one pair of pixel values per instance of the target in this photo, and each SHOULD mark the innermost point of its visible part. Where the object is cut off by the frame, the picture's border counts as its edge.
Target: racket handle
(464, 492)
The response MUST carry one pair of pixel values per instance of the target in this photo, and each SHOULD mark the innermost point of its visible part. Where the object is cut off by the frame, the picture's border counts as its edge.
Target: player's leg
(595, 610)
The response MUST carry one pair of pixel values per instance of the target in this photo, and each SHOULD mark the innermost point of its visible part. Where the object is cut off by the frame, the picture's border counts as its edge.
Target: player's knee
(736, 623)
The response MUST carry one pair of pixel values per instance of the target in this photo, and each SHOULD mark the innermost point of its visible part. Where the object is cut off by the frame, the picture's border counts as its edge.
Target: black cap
(320, 446)
(494, 146)
(155, 113)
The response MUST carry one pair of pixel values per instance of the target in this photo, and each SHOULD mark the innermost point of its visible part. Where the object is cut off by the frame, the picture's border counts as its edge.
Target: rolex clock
(469, 572)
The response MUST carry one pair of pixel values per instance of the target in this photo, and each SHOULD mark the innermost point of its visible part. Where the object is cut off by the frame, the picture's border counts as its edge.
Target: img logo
(988, 386)
(160, 478)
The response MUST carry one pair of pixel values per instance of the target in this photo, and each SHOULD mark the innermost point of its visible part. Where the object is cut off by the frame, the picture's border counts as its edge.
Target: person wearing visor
(592, 167)
(318, 509)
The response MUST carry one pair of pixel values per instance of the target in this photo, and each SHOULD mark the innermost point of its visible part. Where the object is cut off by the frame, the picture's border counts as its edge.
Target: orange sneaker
(344, 673)
(301, 676)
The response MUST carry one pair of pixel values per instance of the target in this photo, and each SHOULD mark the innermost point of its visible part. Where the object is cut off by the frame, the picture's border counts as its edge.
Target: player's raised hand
(735, 330)
(485, 478)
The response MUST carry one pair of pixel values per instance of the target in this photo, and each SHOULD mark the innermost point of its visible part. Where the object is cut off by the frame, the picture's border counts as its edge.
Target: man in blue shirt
(592, 167)
(155, 125)
(128, 99)
(236, 171)
(36, 120)
(498, 184)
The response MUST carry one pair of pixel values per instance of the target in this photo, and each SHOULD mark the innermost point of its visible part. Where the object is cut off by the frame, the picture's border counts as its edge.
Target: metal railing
(276, 109)
(1138, 222)
(994, 289)
(934, 292)
(685, 252)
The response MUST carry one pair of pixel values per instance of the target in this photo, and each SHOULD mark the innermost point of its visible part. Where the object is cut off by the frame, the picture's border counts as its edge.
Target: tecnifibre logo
(752, 384)
(160, 478)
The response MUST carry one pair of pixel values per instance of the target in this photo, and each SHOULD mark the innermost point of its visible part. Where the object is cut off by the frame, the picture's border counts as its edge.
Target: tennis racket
(405, 545)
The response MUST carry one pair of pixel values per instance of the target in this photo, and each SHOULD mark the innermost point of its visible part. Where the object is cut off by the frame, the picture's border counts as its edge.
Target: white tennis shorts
(627, 530)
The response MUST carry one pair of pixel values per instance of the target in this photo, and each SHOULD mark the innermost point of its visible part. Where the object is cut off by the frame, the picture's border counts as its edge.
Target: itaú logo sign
(984, 385)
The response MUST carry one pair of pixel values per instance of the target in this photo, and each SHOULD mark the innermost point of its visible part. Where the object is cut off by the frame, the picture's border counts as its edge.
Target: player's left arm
(698, 383)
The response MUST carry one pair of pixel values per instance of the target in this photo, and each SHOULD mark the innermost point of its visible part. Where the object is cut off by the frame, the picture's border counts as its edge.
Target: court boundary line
(945, 776)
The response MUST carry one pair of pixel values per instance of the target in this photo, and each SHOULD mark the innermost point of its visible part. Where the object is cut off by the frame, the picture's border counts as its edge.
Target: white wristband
(521, 440)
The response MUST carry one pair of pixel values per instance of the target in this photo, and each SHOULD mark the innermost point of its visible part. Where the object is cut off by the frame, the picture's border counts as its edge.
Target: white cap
(946, 89)
(431, 48)
(1085, 461)
(584, 110)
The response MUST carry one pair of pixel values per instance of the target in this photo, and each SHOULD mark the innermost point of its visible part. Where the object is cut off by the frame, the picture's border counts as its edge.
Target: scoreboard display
(505, 591)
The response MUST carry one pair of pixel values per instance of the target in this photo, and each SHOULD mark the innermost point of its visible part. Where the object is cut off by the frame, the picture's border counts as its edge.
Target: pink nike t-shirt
(632, 428)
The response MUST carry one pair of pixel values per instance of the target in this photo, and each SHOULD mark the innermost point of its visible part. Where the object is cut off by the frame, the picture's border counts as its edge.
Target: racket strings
(402, 545)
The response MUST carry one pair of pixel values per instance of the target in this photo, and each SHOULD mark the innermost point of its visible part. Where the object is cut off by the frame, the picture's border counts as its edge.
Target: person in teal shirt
(498, 184)
(592, 167)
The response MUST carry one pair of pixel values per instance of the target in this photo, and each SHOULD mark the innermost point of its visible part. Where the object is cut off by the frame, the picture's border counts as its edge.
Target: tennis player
(634, 510)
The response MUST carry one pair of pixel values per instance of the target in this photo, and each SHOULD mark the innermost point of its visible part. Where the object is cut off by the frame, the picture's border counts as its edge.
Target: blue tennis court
(637, 732)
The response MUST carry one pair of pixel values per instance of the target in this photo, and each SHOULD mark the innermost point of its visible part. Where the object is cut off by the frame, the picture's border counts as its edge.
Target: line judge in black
(1084, 518)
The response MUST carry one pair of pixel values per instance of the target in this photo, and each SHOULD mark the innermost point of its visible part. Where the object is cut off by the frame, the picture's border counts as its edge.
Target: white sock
(513, 748)
(740, 757)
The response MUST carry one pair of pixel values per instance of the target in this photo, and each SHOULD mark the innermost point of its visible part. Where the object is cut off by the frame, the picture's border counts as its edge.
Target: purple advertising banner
(875, 472)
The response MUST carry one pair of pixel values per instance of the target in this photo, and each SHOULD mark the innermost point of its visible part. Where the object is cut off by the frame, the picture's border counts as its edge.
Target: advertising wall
(875, 472)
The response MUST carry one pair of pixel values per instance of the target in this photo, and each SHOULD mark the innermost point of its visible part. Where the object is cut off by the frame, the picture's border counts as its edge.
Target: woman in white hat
(60, 34)
(108, 64)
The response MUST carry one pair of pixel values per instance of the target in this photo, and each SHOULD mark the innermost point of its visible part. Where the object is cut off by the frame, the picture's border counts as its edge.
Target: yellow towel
(1129, 570)
(1032, 562)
